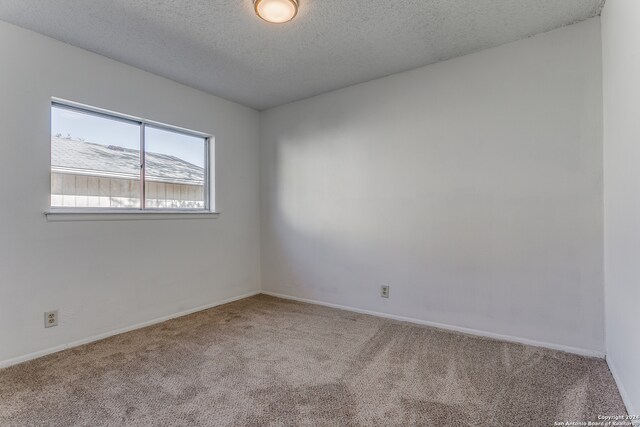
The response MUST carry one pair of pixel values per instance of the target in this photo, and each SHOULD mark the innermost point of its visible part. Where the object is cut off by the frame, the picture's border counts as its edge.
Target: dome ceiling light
(276, 11)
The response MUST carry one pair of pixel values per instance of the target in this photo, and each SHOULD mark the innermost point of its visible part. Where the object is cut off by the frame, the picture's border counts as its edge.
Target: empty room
(320, 213)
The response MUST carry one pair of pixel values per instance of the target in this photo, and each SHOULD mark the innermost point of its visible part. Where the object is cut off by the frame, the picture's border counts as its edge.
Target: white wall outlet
(50, 318)
(384, 291)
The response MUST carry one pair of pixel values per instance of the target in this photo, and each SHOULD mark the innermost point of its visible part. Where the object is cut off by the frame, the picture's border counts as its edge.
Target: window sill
(125, 214)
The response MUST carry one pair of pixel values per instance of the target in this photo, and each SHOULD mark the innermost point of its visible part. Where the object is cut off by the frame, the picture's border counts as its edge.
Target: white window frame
(79, 213)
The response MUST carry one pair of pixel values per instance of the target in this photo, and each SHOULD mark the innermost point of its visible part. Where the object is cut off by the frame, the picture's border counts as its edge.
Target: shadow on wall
(348, 221)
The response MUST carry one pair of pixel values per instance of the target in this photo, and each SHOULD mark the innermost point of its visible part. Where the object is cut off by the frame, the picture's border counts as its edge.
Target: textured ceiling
(221, 47)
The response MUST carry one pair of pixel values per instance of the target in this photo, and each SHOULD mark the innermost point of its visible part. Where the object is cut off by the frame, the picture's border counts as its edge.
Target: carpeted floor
(264, 361)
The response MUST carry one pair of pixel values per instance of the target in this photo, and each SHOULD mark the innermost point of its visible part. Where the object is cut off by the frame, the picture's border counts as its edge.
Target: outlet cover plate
(50, 318)
(384, 291)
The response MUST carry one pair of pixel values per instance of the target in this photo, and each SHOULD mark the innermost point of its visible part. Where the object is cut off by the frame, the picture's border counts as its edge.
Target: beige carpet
(264, 361)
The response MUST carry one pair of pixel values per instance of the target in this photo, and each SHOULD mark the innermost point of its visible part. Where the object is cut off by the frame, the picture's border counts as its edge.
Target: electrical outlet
(384, 291)
(50, 318)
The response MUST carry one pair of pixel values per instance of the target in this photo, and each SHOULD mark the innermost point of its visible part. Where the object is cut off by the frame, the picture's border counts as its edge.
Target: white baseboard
(623, 393)
(574, 350)
(500, 337)
(40, 353)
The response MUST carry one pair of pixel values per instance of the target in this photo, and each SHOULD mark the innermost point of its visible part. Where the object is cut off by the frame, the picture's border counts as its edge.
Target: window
(104, 161)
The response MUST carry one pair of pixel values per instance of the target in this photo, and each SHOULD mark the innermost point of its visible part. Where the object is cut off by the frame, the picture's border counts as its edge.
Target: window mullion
(143, 198)
(207, 178)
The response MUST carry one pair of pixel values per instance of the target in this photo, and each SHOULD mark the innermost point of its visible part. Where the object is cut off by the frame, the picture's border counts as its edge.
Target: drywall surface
(472, 187)
(106, 276)
(621, 96)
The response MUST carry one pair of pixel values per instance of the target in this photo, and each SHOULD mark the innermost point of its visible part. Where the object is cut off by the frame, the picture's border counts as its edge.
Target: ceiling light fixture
(276, 11)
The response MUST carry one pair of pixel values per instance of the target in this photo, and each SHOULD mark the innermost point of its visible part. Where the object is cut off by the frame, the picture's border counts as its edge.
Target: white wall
(104, 276)
(472, 187)
(621, 78)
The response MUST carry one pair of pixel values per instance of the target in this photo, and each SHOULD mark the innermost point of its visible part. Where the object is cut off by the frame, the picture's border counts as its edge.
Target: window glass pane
(95, 161)
(175, 170)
